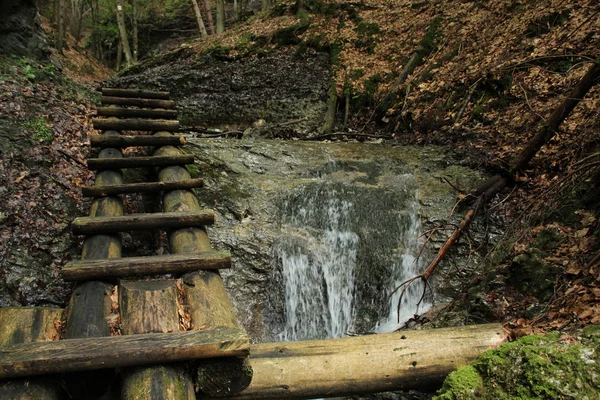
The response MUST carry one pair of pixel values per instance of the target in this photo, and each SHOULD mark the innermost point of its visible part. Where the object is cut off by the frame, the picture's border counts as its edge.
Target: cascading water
(343, 249)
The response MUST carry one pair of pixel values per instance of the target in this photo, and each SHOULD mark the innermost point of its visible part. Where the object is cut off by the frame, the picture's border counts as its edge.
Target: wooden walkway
(163, 327)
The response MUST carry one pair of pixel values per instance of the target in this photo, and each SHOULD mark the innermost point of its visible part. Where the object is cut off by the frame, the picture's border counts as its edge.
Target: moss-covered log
(143, 187)
(136, 124)
(139, 162)
(136, 93)
(26, 325)
(139, 140)
(135, 113)
(146, 103)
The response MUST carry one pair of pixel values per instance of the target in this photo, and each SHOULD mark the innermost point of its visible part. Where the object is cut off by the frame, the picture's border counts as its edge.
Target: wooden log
(210, 305)
(146, 103)
(418, 359)
(139, 266)
(90, 303)
(27, 325)
(135, 113)
(151, 306)
(127, 141)
(139, 93)
(136, 124)
(148, 306)
(144, 187)
(139, 162)
(136, 222)
(120, 351)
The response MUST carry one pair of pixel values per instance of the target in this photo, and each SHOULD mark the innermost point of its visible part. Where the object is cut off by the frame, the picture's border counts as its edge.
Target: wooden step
(144, 103)
(144, 187)
(136, 222)
(136, 124)
(139, 140)
(120, 351)
(139, 93)
(139, 162)
(140, 266)
(135, 113)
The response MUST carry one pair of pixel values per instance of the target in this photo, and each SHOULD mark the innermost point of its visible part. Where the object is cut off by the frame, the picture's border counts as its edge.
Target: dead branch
(348, 134)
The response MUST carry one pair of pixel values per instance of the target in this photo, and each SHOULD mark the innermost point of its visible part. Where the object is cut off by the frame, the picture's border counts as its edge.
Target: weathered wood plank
(143, 187)
(139, 162)
(120, 351)
(139, 93)
(365, 364)
(136, 124)
(139, 266)
(146, 103)
(139, 140)
(134, 222)
(135, 113)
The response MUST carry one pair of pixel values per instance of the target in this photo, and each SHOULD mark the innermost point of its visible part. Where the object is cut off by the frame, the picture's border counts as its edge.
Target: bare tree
(123, 33)
(60, 39)
(209, 18)
(199, 18)
(134, 18)
(220, 16)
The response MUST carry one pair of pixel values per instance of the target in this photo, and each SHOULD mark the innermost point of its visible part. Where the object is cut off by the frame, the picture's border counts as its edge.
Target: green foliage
(26, 69)
(534, 367)
(544, 24)
(367, 38)
(39, 128)
(431, 38)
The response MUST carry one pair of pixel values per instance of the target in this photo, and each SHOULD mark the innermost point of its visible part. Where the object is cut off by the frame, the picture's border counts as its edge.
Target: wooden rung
(100, 191)
(136, 124)
(136, 222)
(120, 351)
(139, 266)
(135, 113)
(126, 141)
(136, 93)
(139, 162)
(145, 103)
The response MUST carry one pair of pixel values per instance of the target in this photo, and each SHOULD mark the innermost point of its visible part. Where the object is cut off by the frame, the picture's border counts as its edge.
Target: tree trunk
(134, 19)
(119, 55)
(209, 18)
(265, 5)
(220, 16)
(401, 360)
(123, 33)
(199, 19)
(60, 41)
(236, 13)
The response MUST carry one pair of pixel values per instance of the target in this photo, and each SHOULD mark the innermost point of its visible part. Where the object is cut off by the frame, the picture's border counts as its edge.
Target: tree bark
(401, 360)
(134, 39)
(201, 26)
(146, 103)
(139, 162)
(209, 18)
(60, 39)
(140, 266)
(123, 33)
(26, 325)
(136, 124)
(120, 351)
(144, 187)
(127, 141)
(220, 16)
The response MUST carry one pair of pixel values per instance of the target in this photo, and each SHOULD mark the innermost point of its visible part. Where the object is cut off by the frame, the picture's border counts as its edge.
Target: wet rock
(20, 30)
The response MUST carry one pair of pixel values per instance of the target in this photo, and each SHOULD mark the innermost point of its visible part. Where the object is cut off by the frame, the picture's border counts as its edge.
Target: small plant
(40, 129)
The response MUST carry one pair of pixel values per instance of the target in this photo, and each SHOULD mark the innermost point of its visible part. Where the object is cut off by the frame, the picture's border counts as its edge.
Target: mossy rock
(529, 274)
(534, 367)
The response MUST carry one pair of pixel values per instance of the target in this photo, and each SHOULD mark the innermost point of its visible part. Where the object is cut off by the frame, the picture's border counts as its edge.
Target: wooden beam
(27, 325)
(139, 162)
(144, 187)
(209, 303)
(139, 140)
(120, 351)
(139, 93)
(135, 222)
(145, 103)
(401, 360)
(139, 266)
(135, 113)
(135, 124)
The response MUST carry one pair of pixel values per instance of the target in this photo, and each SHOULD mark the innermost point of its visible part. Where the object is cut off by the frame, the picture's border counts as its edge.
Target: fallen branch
(348, 134)
(486, 191)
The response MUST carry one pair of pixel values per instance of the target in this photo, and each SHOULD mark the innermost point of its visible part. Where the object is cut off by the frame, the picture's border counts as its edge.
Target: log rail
(165, 324)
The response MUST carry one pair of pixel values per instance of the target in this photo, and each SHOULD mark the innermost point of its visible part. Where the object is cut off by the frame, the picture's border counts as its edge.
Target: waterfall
(341, 253)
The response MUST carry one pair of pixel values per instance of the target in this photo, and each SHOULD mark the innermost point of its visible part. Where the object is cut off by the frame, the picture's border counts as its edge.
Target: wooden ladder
(151, 330)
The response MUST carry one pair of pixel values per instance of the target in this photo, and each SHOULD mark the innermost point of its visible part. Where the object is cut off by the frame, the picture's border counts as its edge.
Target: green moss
(193, 170)
(534, 367)
(463, 382)
(39, 128)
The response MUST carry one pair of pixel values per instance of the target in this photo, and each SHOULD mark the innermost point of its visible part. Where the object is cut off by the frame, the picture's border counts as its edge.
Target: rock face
(282, 205)
(229, 93)
(20, 30)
